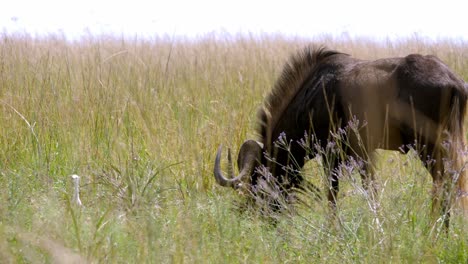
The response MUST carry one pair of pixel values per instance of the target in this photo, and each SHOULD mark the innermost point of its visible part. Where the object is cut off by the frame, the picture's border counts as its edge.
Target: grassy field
(140, 122)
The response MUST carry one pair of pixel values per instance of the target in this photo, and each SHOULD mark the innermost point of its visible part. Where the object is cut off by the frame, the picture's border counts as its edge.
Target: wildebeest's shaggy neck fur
(295, 73)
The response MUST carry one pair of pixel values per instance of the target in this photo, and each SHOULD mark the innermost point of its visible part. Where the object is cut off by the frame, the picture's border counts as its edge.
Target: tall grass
(140, 120)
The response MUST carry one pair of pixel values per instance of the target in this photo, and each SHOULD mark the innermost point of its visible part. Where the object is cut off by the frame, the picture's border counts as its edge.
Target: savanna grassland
(140, 122)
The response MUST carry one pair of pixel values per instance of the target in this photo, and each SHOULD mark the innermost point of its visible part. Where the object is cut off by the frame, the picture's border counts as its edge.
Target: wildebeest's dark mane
(295, 72)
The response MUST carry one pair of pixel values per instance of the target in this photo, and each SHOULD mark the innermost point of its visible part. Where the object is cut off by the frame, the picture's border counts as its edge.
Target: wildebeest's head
(247, 160)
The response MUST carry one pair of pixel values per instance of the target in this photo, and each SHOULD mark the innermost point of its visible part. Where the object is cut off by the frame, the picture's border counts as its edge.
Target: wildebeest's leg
(332, 193)
(333, 188)
(451, 182)
(331, 173)
(330, 164)
(370, 187)
(462, 193)
(368, 176)
(441, 184)
(460, 170)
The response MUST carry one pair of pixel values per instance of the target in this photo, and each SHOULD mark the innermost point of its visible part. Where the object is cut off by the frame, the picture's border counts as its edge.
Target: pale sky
(377, 19)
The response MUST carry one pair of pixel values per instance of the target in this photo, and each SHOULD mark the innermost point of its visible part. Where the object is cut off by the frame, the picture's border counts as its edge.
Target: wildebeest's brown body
(412, 101)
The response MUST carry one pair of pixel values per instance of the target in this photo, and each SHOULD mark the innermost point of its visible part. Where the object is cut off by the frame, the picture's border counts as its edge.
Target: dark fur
(404, 100)
(297, 98)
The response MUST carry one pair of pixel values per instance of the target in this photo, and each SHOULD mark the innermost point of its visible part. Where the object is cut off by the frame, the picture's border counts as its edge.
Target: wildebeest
(412, 102)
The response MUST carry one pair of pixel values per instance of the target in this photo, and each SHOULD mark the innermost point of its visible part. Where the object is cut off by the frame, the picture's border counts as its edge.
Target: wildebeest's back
(425, 81)
(367, 90)
(398, 96)
(430, 92)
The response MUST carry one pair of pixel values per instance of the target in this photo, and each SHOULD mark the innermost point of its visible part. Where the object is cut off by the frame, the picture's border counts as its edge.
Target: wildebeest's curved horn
(249, 154)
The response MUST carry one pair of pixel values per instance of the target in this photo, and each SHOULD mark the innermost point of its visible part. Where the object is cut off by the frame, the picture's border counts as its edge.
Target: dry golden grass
(140, 120)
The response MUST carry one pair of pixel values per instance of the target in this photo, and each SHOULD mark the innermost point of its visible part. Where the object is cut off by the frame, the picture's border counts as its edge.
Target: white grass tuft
(76, 190)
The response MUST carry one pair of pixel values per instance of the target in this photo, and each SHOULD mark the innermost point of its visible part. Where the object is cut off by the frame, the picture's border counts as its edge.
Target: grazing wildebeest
(412, 101)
